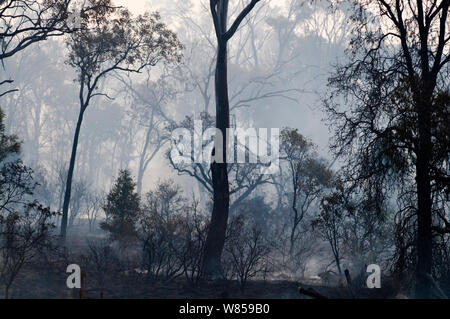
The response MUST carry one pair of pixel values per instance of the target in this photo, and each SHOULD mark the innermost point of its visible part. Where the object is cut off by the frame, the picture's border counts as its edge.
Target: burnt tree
(113, 41)
(397, 84)
(219, 219)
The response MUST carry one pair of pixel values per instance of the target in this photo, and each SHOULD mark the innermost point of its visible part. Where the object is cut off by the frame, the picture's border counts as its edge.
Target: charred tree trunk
(70, 176)
(219, 219)
(424, 202)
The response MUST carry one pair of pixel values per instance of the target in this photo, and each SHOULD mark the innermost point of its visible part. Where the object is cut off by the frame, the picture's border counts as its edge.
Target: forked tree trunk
(215, 240)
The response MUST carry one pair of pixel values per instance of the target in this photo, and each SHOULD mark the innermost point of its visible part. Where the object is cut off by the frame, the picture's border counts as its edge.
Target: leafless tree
(247, 248)
(244, 179)
(94, 203)
(161, 231)
(149, 101)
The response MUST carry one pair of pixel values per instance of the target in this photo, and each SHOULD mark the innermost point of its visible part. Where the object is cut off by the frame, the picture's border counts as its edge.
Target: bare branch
(229, 34)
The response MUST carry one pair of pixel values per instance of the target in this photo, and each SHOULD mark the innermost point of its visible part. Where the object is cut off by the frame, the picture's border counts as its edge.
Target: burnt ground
(37, 286)
(48, 281)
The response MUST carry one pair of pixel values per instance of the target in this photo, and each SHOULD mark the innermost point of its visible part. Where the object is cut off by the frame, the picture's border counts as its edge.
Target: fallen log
(310, 292)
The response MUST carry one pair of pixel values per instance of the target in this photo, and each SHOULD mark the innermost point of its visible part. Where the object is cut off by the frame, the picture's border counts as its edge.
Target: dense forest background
(359, 91)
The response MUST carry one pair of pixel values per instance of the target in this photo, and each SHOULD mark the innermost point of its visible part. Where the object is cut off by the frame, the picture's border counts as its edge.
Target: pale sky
(140, 6)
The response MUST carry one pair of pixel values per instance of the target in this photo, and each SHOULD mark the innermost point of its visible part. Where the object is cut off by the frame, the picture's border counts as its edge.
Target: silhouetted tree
(113, 41)
(163, 231)
(395, 87)
(24, 224)
(24, 22)
(330, 224)
(308, 175)
(122, 208)
(247, 249)
(219, 218)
